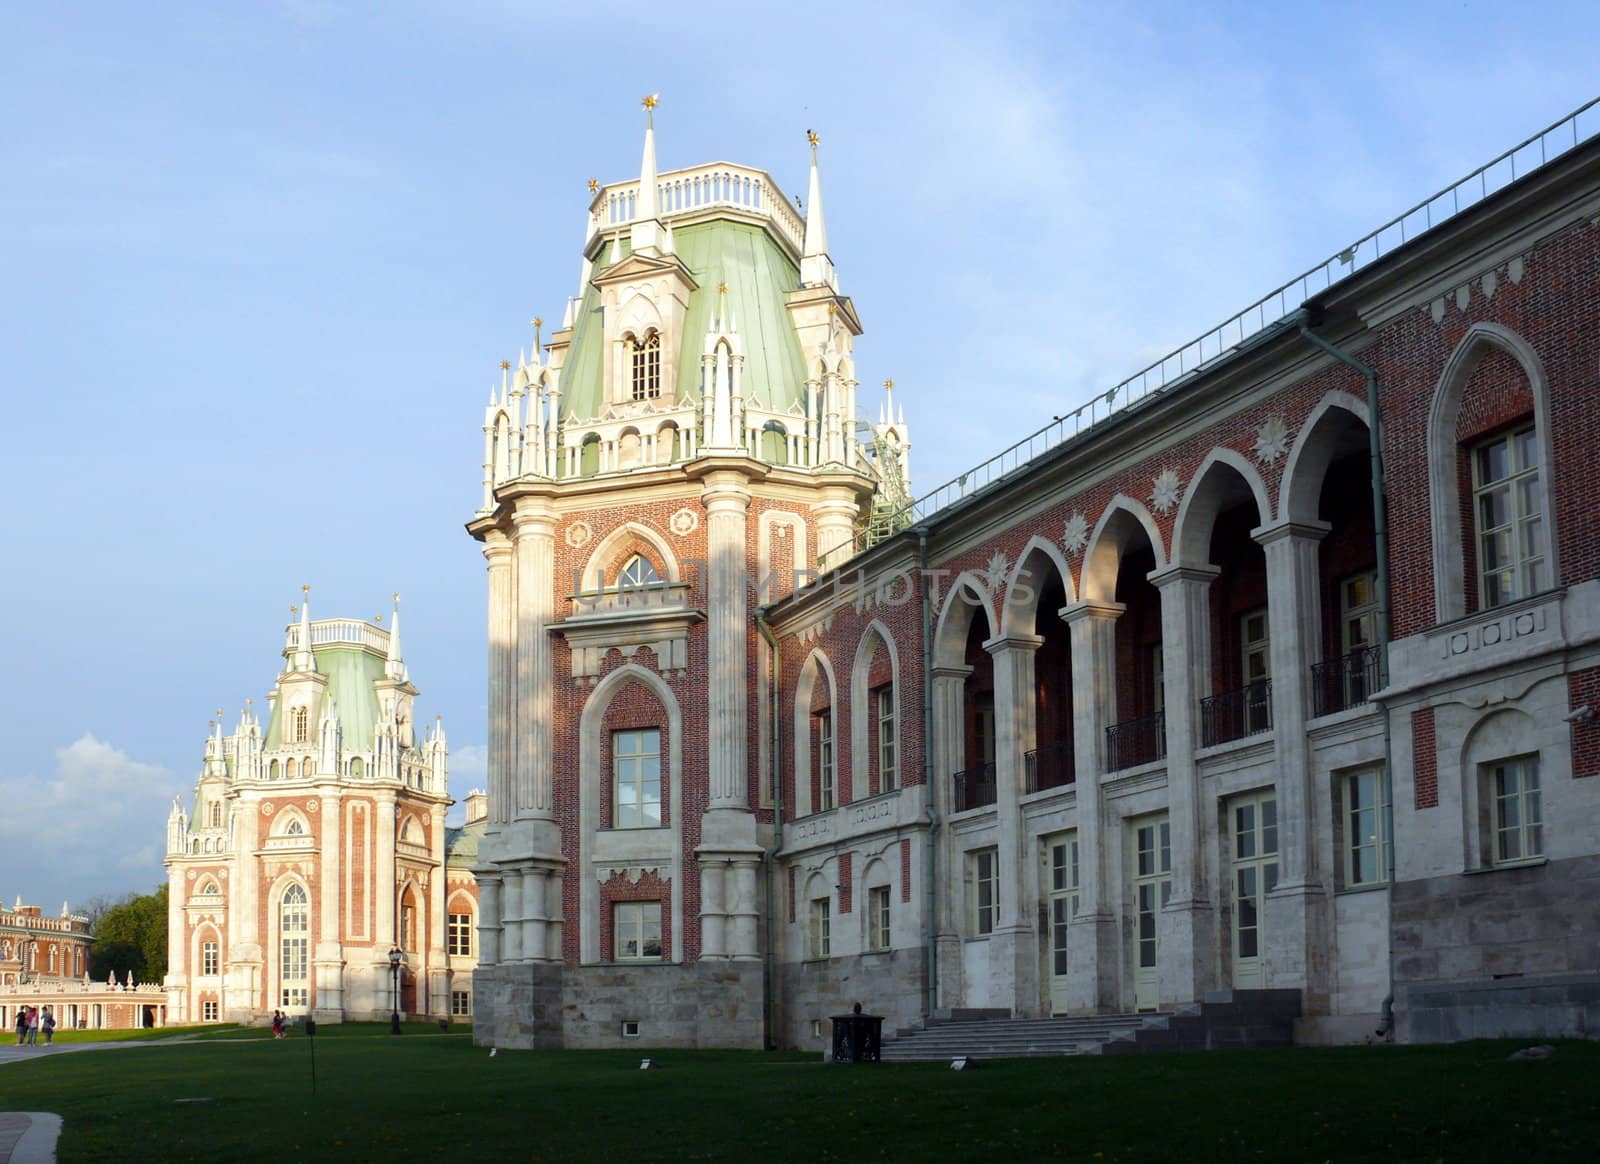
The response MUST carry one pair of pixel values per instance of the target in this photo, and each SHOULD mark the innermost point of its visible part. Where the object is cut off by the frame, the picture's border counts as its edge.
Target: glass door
(1152, 887)
(1255, 874)
(1061, 897)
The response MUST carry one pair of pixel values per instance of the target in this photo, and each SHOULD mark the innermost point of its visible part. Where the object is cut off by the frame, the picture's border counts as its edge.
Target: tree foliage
(131, 937)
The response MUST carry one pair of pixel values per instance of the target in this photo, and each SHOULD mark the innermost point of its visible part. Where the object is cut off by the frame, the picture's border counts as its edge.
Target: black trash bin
(857, 1037)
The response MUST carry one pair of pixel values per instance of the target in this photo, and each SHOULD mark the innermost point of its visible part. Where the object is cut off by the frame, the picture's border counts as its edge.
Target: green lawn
(432, 1096)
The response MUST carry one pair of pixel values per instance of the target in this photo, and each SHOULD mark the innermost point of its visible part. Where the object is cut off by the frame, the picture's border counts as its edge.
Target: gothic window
(825, 781)
(294, 930)
(207, 888)
(291, 768)
(637, 572)
(774, 443)
(636, 767)
(216, 814)
(589, 456)
(302, 729)
(646, 361)
(357, 766)
(888, 770)
(272, 770)
(1508, 516)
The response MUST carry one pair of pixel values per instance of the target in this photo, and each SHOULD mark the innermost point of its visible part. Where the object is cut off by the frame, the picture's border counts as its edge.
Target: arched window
(589, 456)
(646, 358)
(208, 888)
(774, 443)
(1508, 518)
(302, 721)
(294, 829)
(294, 929)
(272, 770)
(216, 814)
(408, 832)
(637, 571)
(291, 768)
(357, 766)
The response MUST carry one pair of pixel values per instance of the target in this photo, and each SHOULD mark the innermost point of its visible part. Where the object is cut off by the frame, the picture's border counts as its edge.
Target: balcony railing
(1348, 681)
(1049, 766)
(974, 788)
(1233, 715)
(1136, 741)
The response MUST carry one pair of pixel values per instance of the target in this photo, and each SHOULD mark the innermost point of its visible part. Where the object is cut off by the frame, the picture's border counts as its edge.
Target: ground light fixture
(962, 1062)
(395, 958)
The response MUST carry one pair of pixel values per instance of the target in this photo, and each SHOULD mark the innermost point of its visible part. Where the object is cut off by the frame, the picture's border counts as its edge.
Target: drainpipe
(1380, 530)
(771, 1001)
(931, 1002)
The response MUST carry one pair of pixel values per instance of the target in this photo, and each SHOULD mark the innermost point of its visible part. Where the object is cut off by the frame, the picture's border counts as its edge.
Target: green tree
(131, 937)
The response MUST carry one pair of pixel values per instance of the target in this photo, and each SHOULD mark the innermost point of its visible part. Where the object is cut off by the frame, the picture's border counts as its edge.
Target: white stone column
(713, 938)
(743, 912)
(1296, 928)
(383, 889)
(488, 919)
(727, 499)
(1014, 945)
(502, 679)
(511, 915)
(1092, 963)
(535, 541)
(1188, 959)
(329, 949)
(438, 920)
(949, 757)
(835, 515)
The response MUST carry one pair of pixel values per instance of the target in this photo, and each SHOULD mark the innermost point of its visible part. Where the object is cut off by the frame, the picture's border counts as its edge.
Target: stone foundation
(890, 984)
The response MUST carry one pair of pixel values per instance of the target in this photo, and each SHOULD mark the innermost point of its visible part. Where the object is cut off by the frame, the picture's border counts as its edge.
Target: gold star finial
(505, 365)
(811, 136)
(594, 185)
(649, 103)
(305, 588)
(537, 322)
(219, 715)
(889, 384)
(377, 618)
(294, 610)
(722, 288)
(396, 597)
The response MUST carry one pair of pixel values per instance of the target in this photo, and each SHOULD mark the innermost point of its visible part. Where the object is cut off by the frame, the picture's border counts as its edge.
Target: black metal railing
(1347, 681)
(975, 787)
(1136, 741)
(1049, 766)
(1233, 715)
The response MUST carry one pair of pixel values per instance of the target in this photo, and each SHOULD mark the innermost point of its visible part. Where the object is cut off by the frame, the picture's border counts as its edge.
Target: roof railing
(1161, 376)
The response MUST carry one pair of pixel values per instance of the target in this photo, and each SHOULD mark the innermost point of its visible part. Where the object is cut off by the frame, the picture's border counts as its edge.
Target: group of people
(31, 1022)
(280, 1023)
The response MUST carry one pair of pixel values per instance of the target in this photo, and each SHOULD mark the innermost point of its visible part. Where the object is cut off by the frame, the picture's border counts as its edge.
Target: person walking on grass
(22, 1025)
(33, 1026)
(47, 1024)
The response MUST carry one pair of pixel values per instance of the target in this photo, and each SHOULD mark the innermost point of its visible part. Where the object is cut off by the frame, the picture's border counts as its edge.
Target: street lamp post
(395, 958)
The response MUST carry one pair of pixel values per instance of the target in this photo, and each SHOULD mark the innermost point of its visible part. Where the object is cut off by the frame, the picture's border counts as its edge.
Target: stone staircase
(1227, 1018)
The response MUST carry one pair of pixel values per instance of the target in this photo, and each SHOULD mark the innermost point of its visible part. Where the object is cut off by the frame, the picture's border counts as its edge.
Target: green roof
(759, 275)
(461, 844)
(350, 672)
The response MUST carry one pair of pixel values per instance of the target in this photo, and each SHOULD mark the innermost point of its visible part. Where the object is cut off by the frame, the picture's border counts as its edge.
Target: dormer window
(646, 358)
(637, 572)
(301, 725)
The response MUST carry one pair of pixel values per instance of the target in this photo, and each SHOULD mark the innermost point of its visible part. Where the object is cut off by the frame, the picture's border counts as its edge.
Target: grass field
(433, 1096)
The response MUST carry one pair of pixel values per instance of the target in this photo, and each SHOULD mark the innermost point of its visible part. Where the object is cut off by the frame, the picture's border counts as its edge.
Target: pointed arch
(1119, 526)
(614, 544)
(868, 769)
(1203, 500)
(291, 822)
(1025, 586)
(967, 596)
(817, 664)
(1444, 412)
(1300, 493)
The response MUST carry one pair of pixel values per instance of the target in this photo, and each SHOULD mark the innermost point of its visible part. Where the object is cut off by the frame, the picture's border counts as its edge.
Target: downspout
(771, 1003)
(930, 1004)
(1380, 531)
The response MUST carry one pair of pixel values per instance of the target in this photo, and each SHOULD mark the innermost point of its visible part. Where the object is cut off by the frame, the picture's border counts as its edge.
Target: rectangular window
(1518, 814)
(461, 1003)
(636, 931)
(1362, 816)
(983, 890)
(820, 943)
(1508, 514)
(208, 1011)
(459, 937)
(636, 762)
(878, 918)
(888, 774)
(208, 958)
(825, 759)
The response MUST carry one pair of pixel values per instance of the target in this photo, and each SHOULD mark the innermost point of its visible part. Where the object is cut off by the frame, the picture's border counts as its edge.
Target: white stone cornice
(1182, 573)
(1277, 530)
(1089, 609)
(1014, 642)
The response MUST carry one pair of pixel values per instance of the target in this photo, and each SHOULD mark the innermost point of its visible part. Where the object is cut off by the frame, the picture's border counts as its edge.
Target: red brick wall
(905, 870)
(846, 884)
(649, 888)
(1496, 396)
(1425, 758)
(1583, 688)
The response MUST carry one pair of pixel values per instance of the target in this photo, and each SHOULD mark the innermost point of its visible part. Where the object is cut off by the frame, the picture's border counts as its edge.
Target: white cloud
(469, 769)
(98, 826)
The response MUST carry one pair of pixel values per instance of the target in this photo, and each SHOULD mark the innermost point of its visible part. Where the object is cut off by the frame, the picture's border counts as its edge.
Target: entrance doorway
(1255, 874)
(1061, 898)
(1152, 888)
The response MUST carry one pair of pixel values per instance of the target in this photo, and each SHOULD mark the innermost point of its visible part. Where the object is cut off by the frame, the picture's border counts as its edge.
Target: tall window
(216, 814)
(1364, 842)
(647, 367)
(1255, 646)
(294, 928)
(636, 761)
(636, 931)
(459, 936)
(302, 729)
(983, 890)
(824, 721)
(1518, 814)
(888, 772)
(637, 572)
(878, 918)
(820, 939)
(461, 1003)
(208, 958)
(1509, 518)
(208, 1011)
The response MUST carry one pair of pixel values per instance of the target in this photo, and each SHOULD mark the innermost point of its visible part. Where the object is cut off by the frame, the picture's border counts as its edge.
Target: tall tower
(682, 449)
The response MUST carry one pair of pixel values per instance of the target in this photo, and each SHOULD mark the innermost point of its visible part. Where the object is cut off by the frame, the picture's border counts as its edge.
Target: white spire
(304, 660)
(394, 665)
(646, 233)
(816, 268)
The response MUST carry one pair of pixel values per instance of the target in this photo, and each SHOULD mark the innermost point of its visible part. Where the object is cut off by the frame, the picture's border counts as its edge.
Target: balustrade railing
(1136, 741)
(688, 191)
(328, 631)
(1348, 681)
(974, 788)
(1049, 766)
(1233, 715)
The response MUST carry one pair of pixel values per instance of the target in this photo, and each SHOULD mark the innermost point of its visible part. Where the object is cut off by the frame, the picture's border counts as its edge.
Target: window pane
(1492, 462)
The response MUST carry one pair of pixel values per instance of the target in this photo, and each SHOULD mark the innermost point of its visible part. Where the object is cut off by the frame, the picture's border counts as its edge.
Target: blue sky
(259, 264)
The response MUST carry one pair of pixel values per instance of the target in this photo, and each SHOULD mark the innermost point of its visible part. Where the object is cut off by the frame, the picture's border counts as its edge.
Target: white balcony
(692, 192)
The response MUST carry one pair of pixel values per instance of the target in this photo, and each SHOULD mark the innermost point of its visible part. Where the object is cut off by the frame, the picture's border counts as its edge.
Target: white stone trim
(1102, 558)
(628, 531)
(860, 762)
(816, 661)
(1197, 514)
(1300, 490)
(1012, 612)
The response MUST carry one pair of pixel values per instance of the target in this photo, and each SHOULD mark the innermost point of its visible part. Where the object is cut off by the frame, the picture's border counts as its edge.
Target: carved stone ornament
(578, 534)
(1272, 440)
(266, 808)
(1164, 493)
(1076, 535)
(684, 522)
(995, 572)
